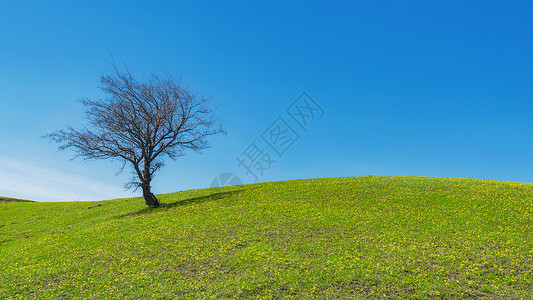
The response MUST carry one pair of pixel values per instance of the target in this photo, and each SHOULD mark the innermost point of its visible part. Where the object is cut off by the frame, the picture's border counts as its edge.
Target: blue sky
(421, 88)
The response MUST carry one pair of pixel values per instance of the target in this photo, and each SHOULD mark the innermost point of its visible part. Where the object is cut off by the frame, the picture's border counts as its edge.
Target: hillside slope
(7, 199)
(362, 238)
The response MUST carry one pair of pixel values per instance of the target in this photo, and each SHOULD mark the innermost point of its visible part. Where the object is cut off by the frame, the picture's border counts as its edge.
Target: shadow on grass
(187, 201)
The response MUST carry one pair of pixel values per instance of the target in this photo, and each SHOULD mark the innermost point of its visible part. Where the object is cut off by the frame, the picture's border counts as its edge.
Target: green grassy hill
(362, 238)
(7, 199)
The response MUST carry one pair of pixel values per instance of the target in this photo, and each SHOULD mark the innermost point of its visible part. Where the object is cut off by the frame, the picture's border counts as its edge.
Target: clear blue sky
(422, 88)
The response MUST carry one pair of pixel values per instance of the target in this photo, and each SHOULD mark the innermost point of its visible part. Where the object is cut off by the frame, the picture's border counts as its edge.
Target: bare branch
(141, 122)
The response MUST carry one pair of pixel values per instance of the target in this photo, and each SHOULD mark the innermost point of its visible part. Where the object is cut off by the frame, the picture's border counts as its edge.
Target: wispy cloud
(24, 179)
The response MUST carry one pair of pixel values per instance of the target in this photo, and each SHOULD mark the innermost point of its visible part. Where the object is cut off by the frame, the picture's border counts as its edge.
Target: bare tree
(141, 122)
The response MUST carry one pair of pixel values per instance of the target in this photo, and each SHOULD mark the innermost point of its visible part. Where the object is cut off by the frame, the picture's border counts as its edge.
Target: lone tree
(141, 122)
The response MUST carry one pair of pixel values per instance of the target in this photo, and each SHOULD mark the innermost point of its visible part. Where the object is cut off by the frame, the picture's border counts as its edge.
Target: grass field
(362, 238)
(7, 199)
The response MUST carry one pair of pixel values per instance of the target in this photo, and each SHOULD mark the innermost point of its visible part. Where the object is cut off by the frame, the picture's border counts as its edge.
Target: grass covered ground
(7, 199)
(362, 238)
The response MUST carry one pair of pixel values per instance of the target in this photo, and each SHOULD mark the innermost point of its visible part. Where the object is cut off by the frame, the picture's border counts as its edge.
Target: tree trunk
(146, 178)
(149, 198)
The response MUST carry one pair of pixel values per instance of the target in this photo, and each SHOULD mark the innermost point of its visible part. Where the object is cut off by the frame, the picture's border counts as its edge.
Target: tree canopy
(141, 122)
